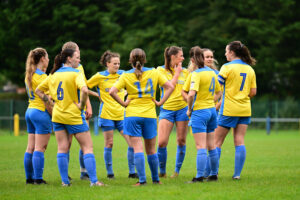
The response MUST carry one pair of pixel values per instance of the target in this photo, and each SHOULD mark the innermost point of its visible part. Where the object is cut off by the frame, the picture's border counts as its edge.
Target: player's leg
(240, 150)
(164, 130)
(108, 139)
(28, 159)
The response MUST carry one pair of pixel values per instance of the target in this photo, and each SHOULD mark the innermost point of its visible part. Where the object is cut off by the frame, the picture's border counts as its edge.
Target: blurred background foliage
(270, 29)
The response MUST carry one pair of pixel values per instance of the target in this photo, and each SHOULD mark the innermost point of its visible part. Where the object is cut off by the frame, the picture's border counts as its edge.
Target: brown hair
(137, 59)
(107, 56)
(197, 54)
(33, 59)
(69, 45)
(61, 58)
(169, 51)
(242, 52)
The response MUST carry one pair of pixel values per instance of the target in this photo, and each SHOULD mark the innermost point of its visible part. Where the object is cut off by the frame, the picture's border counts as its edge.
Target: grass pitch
(271, 171)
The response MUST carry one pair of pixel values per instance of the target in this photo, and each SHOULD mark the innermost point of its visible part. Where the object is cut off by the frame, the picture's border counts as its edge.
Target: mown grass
(272, 171)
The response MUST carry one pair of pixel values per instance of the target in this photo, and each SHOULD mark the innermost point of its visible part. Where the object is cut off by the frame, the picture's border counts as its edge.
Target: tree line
(270, 29)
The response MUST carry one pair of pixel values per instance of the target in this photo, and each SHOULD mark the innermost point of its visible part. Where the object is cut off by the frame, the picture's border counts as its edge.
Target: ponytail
(169, 51)
(33, 59)
(242, 52)
(197, 54)
(137, 59)
(61, 58)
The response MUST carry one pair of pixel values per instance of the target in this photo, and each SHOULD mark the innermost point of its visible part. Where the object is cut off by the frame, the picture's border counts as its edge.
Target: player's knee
(181, 141)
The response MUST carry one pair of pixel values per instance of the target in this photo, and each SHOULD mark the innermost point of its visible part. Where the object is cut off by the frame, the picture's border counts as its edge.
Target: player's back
(34, 100)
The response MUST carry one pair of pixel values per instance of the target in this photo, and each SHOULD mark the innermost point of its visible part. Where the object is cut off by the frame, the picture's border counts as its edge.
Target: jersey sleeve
(253, 81)
(80, 81)
(44, 86)
(161, 79)
(93, 81)
(195, 82)
(120, 84)
(223, 74)
(218, 87)
(187, 83)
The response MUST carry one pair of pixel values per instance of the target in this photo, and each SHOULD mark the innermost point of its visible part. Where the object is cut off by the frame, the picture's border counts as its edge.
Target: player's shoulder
(104, 73)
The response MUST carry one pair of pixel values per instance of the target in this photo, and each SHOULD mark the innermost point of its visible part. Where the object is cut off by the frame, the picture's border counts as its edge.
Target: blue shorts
(174, 116)
(37, 121)
(204, 120)
(71, 129)
(232, 122)
(107, 124)
(140, 127)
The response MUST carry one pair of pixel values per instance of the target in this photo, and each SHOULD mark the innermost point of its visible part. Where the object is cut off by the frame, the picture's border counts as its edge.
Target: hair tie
(242, 45)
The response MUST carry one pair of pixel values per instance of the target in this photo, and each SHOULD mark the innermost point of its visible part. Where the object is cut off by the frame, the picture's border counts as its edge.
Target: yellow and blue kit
(37, 118)
(174, 109)
(64, 87)
(109, 109)
(205, 82)
(141, 107)
(238, 78)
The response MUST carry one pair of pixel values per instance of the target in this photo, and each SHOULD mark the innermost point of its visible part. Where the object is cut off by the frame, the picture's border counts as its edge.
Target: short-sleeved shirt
(141, 92)
(205, 82)
(64, 87)
(34, 100)
(175, 101)
(238, 78)
(109, 108)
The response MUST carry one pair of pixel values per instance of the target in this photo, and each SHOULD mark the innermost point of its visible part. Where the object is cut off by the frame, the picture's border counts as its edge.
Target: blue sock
(108, 160)
(153, 164)
(219, 154)
(38, 164)
(28, 165)
(201, 161)
(162, 157)
(90, 165)
(214, 161)
(68, 157)
(81, 162)
(63, 164)
(207, 167)
(240, 157)
(179, 157)
(139, 161)
(130, 158)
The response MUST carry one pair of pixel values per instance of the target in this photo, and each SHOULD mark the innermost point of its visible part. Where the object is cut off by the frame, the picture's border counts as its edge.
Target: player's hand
(178, 68)
(88, 113)
(157, 103)
(189, 113)
(126, 103)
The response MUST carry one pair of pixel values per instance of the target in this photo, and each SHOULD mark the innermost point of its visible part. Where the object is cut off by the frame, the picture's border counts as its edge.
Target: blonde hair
(33, 59)
(70, 45)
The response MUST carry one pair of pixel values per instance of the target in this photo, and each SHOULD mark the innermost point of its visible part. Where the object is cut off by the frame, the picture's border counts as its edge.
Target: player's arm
(253, 87)
(168, 87)
(83, 98)
(89, 109)
(190, 100)
(186, 87)
(113, 92)
(177, 69)
(252, 92)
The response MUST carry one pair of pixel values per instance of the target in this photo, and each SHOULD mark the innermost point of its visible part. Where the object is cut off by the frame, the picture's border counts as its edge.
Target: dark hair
(215, 62)
(242, 52)
(169, 51)
(33, 59)
(197, 54)
(137, 59)
(107, 56)
(61, 58)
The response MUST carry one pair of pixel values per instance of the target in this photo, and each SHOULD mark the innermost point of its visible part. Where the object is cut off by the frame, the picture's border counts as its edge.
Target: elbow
(84, 90)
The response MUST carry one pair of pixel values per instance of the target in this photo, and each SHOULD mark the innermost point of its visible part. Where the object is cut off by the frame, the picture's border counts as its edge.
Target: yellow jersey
(109, 108)
(205, 82)
(64, 87)
(34, 100)
(141, 92)
(175, 101)
(238, 78)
